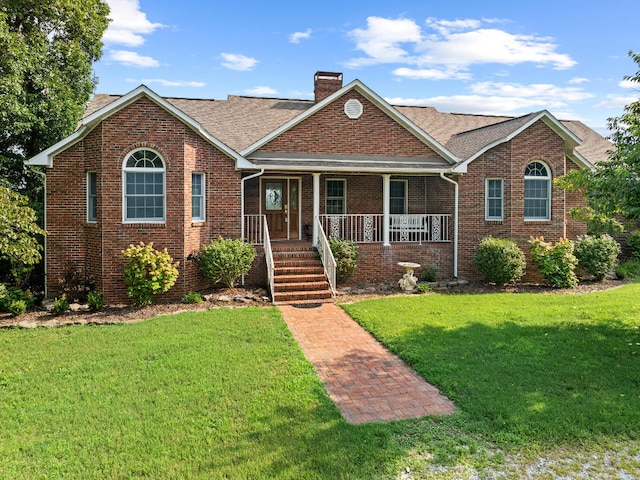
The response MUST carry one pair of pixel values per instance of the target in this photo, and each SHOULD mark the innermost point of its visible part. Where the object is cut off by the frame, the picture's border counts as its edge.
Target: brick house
(406, 183)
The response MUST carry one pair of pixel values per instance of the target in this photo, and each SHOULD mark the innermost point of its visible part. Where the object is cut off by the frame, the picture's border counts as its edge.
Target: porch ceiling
(348, 163)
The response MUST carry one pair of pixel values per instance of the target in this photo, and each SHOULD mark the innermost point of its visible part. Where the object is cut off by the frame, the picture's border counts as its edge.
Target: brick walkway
(365, 381)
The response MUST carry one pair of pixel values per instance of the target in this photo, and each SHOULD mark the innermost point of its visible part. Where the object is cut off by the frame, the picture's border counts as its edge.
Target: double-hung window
(398, 197)
(92, 197)
(336, 193)
(144, 187)
(494, 199)
(537, 192)
(197, 197)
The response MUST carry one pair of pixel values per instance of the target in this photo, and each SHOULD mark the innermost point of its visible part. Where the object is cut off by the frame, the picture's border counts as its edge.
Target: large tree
(47, 48)
(612, 190)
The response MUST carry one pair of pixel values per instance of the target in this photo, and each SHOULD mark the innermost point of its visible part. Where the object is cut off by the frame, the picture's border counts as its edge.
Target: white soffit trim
(571, 141)
(376, 100)
(45, 158)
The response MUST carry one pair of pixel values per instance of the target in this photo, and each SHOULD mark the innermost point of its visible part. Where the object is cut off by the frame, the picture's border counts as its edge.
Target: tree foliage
(47, 48)
(613, 188)
(18, 229)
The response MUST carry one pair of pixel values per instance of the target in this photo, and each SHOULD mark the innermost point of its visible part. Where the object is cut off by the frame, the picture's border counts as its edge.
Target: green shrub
(346, 254)
(630, 269)
(422, 288)
(633, 242)
(192, 297)
(17, 307)
(597, 255)
(225, 261)
(61, 304)
(499, 260)
(76, 283)
(8, 295)
(148, 272)
(557, 262)
(95, 300)
(429, 274)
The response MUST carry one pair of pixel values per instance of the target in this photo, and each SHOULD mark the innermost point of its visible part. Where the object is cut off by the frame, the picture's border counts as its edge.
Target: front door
(280, 205)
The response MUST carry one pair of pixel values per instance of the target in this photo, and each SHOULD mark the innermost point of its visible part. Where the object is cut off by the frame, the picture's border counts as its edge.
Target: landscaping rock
(27, 324)
(224, 298)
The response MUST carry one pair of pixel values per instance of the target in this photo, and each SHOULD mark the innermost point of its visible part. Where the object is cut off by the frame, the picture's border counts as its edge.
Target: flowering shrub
(499, 260)
(597, 255)
(224, 260)
(148, 272)
(557, 262)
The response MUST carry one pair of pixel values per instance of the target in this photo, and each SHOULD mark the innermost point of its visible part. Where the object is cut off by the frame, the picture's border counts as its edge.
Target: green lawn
(228, 394)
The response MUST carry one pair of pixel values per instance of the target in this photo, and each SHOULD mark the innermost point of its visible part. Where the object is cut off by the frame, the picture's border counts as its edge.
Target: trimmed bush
(633, 242)
(192, 297)
(9, 295)
(429, 274)
(346, 255)
(95, 300)
(61, 304)
(148, 272)
(557, 262)
(630, 269)
(17, 307)
(597, 255)
(225, 261)
(500, 260)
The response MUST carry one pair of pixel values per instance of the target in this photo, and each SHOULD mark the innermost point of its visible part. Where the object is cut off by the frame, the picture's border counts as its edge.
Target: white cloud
(617, 102)
(234, 61)
(132, 59)
(261, 90)
(297, 36)
(450, 46)
(128, 24)
(628, 84)
(430, 74)
(496, 98)
(578, 80)
(173, 83)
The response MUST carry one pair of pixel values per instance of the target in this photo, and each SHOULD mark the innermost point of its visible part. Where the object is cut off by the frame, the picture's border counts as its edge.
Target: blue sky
(489, 56)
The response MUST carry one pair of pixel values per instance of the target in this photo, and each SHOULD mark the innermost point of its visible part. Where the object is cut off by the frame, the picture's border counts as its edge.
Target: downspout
(44, 257)
(242, 180)
(455, 224)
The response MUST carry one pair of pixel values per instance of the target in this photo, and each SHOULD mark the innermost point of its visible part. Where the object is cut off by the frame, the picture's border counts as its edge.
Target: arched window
(537, 192)
(143, 174)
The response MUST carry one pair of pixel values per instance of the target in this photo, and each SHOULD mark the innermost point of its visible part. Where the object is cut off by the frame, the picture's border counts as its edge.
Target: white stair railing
(268, 256)
(326, 256)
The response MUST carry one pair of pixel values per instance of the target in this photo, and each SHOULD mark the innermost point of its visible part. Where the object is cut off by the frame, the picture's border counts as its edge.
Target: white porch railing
(254, 227)
(368, 228)
(268, 256)
(326, 256)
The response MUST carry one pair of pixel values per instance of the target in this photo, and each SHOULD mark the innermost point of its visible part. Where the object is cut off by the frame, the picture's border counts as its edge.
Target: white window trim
(344, 194)
(406, 194)
(203, 206)
(487, 217)
(89, 219)
(549, 179)
(126, 170)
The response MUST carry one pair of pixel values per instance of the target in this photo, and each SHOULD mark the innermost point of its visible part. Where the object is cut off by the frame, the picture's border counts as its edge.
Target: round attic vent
(353, 108)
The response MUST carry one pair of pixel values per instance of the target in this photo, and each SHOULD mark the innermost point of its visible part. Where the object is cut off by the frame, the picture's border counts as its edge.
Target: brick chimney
(326, 84)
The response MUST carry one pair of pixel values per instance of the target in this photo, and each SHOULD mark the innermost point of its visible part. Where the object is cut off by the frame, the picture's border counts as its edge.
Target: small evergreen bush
(597, 255)
(633, 242)
(346, 254)
(9, 295)
(499, 260)
(630, 269)
(225, 261)
(429, 274)
(422, 288)
(95, 300)
(17, 307)
(192, 297)
(61, 304)
(148, 272)
(557, 262)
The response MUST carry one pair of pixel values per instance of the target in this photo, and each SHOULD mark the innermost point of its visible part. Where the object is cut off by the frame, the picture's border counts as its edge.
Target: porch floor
(365, 381)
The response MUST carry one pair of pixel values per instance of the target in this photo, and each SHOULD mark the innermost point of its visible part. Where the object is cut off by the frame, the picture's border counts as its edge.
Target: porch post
(386, 200)
(316, 207)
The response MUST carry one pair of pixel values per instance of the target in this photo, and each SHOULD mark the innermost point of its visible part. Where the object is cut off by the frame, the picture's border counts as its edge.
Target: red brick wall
(97, 248)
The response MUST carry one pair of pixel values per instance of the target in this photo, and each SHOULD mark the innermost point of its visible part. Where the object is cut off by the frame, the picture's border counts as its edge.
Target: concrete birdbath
(408, 281)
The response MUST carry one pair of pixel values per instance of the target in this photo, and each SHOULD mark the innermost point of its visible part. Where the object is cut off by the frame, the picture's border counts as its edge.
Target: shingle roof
(240, 121)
